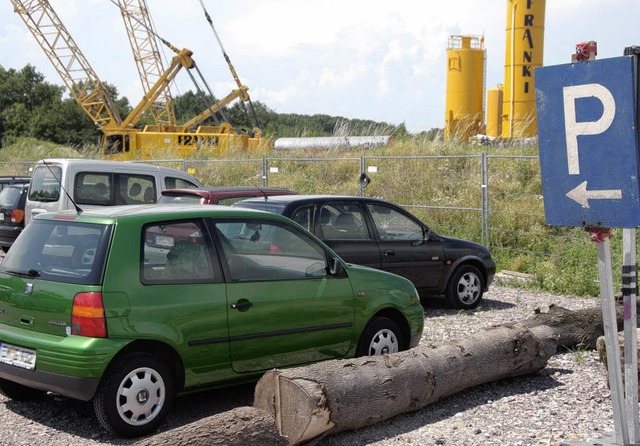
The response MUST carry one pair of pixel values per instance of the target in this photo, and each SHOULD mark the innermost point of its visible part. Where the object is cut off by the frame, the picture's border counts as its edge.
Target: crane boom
(144, 46)
(67, 59)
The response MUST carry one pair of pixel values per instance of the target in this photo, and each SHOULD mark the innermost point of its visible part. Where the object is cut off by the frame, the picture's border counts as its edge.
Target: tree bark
(333, 396)
(242, 426)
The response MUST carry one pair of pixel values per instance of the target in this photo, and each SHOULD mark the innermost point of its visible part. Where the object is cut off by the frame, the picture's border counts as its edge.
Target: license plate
(1, 217)
(18, 356)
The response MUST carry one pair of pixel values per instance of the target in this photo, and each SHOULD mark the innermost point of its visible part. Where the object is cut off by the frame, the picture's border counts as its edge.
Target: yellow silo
(465, 87)
(494, 112)
(524, 51)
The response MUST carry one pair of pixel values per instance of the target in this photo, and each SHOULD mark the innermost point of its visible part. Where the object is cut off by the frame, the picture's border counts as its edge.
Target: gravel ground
(567, 402)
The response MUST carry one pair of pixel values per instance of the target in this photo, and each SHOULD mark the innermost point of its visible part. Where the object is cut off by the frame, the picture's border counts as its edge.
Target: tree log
(572, 328)
(242, 426)
(339, 395)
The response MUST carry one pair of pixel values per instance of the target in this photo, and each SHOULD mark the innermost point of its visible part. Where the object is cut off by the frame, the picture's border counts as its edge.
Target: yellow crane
(146, 54)
(121, 138)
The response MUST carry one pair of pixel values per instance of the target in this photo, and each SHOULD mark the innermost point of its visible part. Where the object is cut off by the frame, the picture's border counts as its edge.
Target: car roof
(14, 179)
(287, 199)
(227, 189)
(155, 211)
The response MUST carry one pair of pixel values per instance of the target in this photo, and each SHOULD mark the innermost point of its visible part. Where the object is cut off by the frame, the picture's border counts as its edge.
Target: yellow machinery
(494, 112)
(524, 52)
(464, 115)
(122, 139)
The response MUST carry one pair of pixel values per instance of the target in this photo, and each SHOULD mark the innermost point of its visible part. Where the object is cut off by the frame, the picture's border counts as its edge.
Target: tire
(134, 395)
(381, 336)
(465, 288)
(18, 392)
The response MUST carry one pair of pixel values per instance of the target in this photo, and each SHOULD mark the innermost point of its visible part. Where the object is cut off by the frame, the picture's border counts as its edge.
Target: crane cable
(231, 68)
(208, 103)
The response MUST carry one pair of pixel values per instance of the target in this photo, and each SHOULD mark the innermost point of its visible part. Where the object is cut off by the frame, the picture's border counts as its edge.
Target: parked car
(12, 199)
(129, 306)
(226, 195)
(60, 183)
(382, 235)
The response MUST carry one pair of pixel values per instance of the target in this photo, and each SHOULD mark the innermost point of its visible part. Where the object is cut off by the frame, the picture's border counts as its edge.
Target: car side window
(257, 250)
(303, 217)
(133, 189)
(178, 183)
(177, 252)
(343, 222)
(393, 225)
(93, 188)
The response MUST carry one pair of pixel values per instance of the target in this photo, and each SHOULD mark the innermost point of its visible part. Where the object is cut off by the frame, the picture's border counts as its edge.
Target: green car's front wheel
(134, 396)
(381, 336)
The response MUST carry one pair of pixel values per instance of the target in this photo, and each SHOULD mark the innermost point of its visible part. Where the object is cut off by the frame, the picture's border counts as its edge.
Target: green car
(131, 306)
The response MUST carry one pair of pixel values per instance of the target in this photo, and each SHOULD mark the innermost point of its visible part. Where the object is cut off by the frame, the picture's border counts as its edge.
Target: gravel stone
(568, 401)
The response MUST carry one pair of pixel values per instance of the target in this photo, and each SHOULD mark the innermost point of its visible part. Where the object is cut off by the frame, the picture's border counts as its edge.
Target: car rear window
(180, 199)
(262, 205)
(60, 251)
(45, 184)
(9, 196)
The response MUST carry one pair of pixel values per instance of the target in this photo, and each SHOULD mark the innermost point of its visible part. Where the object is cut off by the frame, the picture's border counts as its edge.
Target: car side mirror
(335, 266)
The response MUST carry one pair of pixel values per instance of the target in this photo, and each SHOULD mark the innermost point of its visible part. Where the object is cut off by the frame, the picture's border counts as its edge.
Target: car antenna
(78, 209)
(264, 194)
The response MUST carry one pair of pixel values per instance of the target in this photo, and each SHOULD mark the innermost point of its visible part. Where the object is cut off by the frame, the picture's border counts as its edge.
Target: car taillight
(87, 315)
(17, 215)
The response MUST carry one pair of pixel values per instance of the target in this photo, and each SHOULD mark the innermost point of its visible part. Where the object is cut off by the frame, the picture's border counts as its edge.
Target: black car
(382, 235)
(12, 200)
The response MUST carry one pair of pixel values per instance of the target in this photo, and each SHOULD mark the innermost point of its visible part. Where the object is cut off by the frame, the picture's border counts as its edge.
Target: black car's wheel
(381, 336)
(18, 392)
(134, 395)
(465, 288)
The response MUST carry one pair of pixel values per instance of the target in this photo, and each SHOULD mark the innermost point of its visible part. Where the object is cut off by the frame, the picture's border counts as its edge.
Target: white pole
(605, 274)
(629, 292)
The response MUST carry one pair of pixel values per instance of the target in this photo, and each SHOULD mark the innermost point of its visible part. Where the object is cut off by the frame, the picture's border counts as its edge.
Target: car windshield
(9, 196)
(60, 251)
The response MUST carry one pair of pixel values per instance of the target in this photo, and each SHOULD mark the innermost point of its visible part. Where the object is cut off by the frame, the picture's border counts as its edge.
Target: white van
(93, 183)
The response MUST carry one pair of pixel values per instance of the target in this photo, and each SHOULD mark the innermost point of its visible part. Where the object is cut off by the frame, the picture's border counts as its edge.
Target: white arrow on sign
(582, 196)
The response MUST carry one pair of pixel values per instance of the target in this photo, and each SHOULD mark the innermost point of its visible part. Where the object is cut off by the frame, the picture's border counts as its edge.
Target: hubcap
(384, 342)
(141, 396)
(469, 288)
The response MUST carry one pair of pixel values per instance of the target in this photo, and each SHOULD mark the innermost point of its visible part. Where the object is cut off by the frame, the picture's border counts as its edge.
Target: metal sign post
(629, 293)
(601, 237)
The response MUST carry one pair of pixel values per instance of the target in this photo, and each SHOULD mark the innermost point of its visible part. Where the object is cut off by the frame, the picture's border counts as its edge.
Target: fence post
(362, 172)
(265, 170)
(485, 199)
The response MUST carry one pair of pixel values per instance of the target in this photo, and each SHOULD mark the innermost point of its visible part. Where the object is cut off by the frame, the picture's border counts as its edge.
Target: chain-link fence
(495, 200)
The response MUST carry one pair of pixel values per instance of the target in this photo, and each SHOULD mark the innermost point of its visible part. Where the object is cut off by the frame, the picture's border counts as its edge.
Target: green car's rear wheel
(134, 395)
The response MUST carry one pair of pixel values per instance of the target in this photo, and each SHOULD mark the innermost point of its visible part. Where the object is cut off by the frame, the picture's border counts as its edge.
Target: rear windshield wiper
(30, 273)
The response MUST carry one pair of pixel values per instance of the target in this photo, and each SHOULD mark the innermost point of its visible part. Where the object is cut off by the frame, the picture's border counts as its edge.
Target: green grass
(561, 260)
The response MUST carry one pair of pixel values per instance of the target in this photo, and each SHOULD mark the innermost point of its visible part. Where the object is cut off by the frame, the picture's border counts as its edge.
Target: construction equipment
(121, 138)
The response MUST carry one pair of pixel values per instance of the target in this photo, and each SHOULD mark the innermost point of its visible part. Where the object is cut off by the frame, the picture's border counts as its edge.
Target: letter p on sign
(573, 128)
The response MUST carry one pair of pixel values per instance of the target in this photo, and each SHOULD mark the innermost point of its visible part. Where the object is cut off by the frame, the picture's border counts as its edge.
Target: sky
(360, 59)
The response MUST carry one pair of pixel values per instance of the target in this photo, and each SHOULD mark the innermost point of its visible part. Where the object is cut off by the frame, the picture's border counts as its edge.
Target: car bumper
(490, 268)
(80, 388)
(8, 235)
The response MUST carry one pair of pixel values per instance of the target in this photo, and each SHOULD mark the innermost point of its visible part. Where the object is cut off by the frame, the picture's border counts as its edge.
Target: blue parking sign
(588, 143)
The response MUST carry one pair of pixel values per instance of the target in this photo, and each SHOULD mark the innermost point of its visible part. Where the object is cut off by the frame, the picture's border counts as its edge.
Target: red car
(226, 195)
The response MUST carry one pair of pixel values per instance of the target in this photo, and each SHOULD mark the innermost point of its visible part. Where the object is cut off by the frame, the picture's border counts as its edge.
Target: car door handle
(242, 305)
(389, 252)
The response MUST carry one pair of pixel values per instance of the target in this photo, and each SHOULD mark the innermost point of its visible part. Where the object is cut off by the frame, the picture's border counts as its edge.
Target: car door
(342, 226)
(404, 249)
(284, 308)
